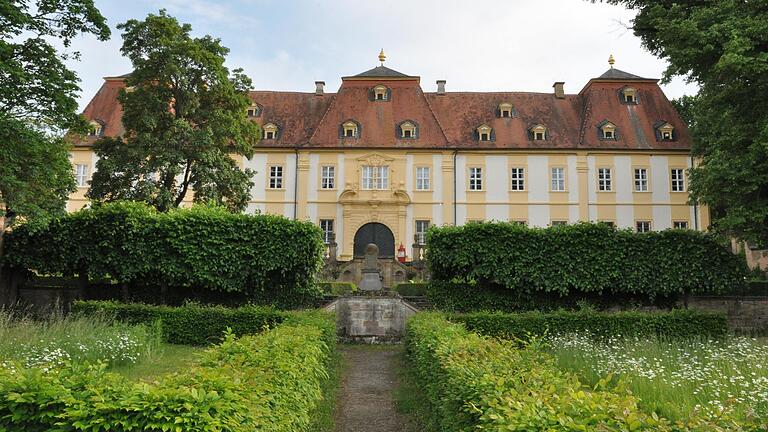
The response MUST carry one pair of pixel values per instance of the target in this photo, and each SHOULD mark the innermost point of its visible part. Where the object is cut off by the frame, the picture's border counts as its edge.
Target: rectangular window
(475, 179)
(643, 226)
(375, 177)
(641, 180)
(609, 223)
(519, 222)
(276, 177)
(678, 180)
(421, 231)
(81, 175)
(559, 222)
(558, 179)
(518, 179)
(422, 178)
(680, 224)
(604, 180)
(328, 177)
(327, 226)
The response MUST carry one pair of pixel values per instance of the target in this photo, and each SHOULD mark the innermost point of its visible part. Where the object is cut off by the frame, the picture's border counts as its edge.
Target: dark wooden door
(377, 234)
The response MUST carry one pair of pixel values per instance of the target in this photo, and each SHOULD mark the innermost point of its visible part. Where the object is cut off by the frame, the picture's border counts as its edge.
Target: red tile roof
(449, 120)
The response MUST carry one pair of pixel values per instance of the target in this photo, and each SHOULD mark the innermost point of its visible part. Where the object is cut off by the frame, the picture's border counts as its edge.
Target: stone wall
(745, 314)
(371, 319)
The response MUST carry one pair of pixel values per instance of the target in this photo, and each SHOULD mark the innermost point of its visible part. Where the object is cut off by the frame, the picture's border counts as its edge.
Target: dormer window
(270, 131)
(380, 93)
(484, 132)
(665, 131)
(505, 110)
(629, 95)
(607, 130)
(95, 128)
(407, 129)
(350, 129)
(539, 132)
(253, 111)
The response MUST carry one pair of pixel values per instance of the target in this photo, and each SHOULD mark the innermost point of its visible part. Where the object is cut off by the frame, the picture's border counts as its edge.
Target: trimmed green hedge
(270, 258)
(411, 289)
(189, 324)
(678, 323)
(269, 382)
(582, 258)
(474, 383)
(337, 288)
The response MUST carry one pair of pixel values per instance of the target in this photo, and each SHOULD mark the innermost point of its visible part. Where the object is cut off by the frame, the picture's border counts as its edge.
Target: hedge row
(473, 383)
(189, 324)
(269, 382)
(337, 288)
(411, 289)
(267, 257)
(583, 258)
(678, 323)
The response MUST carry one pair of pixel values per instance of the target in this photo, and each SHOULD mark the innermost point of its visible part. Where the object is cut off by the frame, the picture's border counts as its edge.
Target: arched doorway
(378, 234)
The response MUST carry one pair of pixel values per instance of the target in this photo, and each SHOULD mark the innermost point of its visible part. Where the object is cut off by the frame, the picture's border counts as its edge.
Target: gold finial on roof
(611, 60)
(382, 57)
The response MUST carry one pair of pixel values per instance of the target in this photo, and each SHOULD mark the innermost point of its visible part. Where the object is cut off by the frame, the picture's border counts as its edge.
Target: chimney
(559, 91)
(319, 86)
(441, 87)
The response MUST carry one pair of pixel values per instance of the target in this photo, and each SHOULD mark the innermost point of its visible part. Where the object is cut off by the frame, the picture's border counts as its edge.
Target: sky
(475, 45)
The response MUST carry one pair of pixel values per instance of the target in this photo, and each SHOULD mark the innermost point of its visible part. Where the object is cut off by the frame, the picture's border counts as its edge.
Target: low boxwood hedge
(267, 382)
(475, 383)
(411, 289)
(190, 324)
(678, 323)
(337, 288)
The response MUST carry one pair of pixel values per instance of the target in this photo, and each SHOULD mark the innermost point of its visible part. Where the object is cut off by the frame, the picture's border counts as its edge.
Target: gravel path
(367, 394)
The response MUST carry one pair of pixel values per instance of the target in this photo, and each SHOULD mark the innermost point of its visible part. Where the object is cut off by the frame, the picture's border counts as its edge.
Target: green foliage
(196, 140)
(721, 46)
(269, 382)
(411, 289)
(474, 383)
(582, 258)
(203, 247)
(190, 324)
(337, 288)
(678, 323)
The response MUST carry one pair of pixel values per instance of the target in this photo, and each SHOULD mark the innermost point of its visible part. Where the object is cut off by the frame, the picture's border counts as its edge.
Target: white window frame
(677, 180)
(475, 178)
(680, 224)
(559, 222)
(328, 177)
(324, 225)
(641, 179)
(517, 179)
(81, 175)
(276, 173)
(604, 179)
(423, 178)
(375, 177)
(643, 226)
(557, 178)
(421, 234)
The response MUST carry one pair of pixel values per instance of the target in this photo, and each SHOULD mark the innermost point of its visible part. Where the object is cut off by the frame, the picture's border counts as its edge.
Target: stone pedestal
(371, 319)
(371, 281)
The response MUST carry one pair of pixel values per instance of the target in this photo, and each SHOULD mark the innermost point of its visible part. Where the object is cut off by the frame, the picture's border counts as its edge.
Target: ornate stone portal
(371, 275)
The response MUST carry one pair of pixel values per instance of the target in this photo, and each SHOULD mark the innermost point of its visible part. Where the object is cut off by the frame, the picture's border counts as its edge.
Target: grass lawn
(167, 358)
(676, 378)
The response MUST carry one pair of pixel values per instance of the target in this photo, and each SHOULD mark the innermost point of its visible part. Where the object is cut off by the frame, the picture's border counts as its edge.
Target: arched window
(607, 131)
(270, 131)
(350, 129)
(484, 133)
(408, 130)
(538, 132)
(505, 110)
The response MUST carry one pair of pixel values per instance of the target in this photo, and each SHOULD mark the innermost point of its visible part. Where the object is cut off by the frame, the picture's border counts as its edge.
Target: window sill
(275, 189)
(642, 192)
(475, 190)
(558, 191)
(423, 190)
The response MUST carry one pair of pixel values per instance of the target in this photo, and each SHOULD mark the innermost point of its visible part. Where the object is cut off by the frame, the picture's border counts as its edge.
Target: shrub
(582, 258)
(678, 323)
(337, 288)
(268, 382)
(190, 324)
(411, 289)
(197, 247)
(473, 383)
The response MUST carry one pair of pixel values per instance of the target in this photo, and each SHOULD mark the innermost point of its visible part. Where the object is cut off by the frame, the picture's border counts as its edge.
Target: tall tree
(723, 47)
(38, 100)
(184, 117)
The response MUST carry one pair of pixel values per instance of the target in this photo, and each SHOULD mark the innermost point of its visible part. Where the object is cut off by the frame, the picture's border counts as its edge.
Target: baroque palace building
(380, 160)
